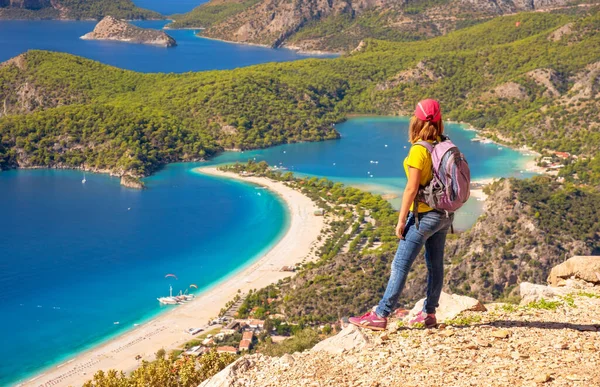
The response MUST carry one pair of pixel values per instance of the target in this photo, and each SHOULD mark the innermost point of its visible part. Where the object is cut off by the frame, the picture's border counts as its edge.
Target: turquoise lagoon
(377, 146)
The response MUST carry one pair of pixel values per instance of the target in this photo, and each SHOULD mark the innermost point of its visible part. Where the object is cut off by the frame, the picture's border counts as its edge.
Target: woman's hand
(400, 230)
(410, 192)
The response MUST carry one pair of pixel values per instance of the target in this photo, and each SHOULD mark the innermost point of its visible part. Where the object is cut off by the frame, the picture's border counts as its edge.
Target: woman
(425, 125)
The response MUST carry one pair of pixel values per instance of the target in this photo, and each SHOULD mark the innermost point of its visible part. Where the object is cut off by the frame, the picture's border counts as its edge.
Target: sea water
(192, 53)
(77, 258)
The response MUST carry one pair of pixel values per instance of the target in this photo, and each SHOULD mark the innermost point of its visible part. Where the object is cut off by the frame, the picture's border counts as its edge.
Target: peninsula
(110, 28)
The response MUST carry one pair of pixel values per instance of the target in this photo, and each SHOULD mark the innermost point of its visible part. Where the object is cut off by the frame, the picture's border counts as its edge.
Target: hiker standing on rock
(438, 184)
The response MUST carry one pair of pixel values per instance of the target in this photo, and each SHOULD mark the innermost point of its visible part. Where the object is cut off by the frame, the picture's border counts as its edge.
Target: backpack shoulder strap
(427, 145)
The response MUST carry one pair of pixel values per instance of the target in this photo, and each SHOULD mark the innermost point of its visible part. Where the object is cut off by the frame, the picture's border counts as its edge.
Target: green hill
(519, 83)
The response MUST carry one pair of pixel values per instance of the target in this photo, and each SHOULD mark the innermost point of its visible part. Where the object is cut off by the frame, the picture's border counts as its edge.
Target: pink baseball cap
(428, 110)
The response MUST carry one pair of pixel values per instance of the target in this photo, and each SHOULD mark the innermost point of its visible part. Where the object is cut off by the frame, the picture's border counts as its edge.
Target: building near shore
(227, 349)
(246, 341)
(256, 324)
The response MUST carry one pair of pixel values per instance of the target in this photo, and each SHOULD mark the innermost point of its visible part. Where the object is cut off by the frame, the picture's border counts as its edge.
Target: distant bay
(192, 53)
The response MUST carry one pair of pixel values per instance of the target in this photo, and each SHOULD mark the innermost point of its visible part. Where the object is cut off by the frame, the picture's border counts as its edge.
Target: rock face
(586, 268)
(526, 347)
(110, 28)
(226, 377)
(451, 305)
(532, 292)
(350, 337)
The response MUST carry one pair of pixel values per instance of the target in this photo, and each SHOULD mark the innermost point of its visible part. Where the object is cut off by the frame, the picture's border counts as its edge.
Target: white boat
(168, 300)
(84, 180)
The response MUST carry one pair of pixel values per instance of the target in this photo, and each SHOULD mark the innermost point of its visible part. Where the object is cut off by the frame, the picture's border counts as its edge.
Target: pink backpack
(450, 187)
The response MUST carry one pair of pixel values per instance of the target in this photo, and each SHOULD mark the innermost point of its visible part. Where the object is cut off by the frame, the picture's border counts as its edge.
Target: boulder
(451, 305)
(532, 292)
(228, 375)
(586, 268)
(349, 338)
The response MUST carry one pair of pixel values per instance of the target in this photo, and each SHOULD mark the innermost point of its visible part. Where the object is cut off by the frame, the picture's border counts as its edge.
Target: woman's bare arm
(410, 192)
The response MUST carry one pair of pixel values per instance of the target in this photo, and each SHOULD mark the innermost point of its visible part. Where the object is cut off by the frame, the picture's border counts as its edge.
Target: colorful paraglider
(171, 275)
(194, 286)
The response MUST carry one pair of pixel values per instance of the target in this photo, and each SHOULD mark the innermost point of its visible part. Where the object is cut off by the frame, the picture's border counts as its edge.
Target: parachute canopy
(171, 275)
(194, 286)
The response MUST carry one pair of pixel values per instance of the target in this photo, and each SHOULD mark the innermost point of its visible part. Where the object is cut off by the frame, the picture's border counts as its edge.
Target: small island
(110, 28)
(132, 182)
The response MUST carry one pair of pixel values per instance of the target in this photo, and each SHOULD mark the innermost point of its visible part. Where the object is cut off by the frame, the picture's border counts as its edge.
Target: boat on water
(168, 300)
(181, 298)
(84, 180)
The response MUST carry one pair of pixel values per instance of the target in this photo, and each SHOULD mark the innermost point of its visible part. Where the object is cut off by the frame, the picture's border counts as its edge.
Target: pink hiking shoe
(369, 320)
(427, 319)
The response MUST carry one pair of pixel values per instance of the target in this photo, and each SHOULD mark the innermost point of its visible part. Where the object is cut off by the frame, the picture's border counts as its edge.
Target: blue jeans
(433, 228)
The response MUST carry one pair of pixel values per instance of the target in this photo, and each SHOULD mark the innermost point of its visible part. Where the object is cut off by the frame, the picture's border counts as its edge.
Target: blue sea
(78, 257)
(192, 53)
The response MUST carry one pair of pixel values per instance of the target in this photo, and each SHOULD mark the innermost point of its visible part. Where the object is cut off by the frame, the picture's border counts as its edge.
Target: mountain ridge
(339, 25)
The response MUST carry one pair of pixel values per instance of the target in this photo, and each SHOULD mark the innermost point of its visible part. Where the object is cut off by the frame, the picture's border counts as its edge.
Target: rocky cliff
(110, 28)
(553, 340)
(339, 25)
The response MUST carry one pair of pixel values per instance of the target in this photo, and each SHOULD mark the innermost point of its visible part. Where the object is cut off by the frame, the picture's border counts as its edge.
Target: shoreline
(167, 329)
(294, 49)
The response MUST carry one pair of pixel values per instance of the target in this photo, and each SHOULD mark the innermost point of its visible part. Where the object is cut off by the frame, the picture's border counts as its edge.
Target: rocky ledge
(110, 28)
(551, 339)
(131, 182)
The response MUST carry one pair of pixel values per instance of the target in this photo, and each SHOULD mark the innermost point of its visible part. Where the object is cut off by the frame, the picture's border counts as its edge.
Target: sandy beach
(167, 330)
(478, 193)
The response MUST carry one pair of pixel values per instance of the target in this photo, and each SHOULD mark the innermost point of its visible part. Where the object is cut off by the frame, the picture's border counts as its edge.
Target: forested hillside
(523, 83)
(340, 25)
(73, 9)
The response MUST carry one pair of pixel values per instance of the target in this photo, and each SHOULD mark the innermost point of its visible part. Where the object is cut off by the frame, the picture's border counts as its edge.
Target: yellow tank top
(419, 158)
